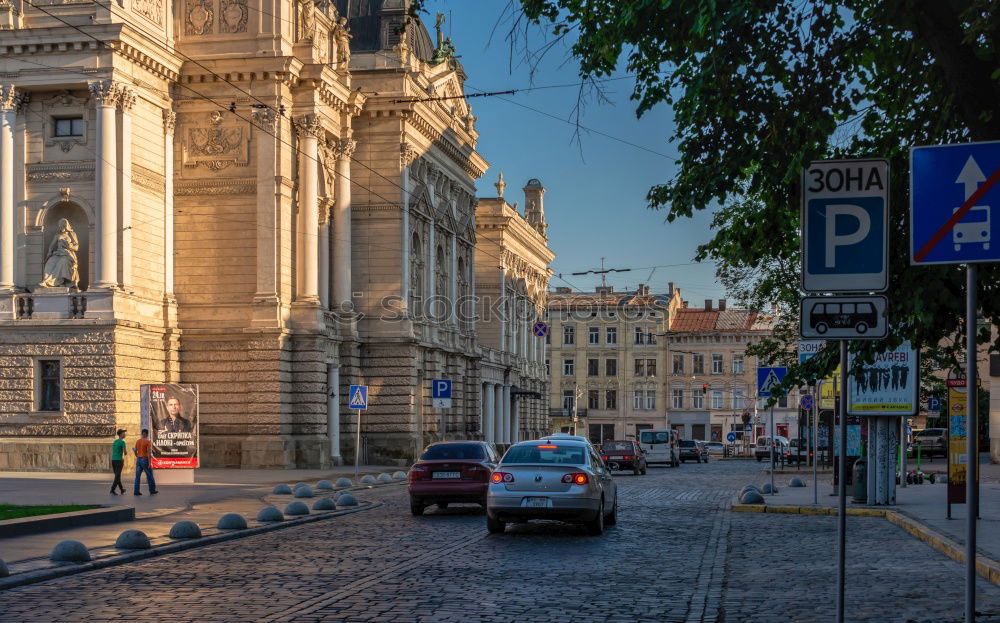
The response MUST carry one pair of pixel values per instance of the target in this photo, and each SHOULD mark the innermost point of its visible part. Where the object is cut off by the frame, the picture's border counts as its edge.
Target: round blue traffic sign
(540, 329)
(731, 437)
(807, 402)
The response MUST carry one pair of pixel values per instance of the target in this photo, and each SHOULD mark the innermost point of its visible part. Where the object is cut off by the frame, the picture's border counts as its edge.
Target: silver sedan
(562, 479)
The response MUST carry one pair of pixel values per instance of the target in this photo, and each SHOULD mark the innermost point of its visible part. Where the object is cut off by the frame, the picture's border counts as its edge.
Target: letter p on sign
(834, 240)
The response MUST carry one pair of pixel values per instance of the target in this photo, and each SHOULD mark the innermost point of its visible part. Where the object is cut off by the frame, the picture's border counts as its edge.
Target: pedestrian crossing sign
(768, 379)
(359, 397)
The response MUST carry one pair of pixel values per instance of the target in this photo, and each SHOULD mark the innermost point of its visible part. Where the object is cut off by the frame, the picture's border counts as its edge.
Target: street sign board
(953, 190)
(358, 397)
(731, 437)
(768, 379)
(888, 386)
(844, 317)
(933, 403)
(809, 348)
(845, 207)
(807, 402)
(540, 329)
(748, 429)
(441, 393)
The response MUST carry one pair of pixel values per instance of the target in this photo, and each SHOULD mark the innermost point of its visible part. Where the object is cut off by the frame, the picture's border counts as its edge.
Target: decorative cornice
(449, 149)
(60, 171)
(148, 179)
(216, 186)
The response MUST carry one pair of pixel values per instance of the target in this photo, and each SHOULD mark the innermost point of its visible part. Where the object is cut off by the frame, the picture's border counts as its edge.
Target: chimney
(708, 304)
(670, 288)
(605, 290)
(642, 289)
(722, 304)
(684, 304)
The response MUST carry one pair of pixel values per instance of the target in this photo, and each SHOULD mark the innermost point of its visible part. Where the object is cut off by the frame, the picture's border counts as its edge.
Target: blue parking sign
(441, 388)
(845, 207)
(954, 190)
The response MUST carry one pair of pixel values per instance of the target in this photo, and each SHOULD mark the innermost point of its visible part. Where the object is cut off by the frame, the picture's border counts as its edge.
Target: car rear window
(653, 438)
(687, 443)
(616, 446)
(930, 432)
(546, 453)
(453, 451)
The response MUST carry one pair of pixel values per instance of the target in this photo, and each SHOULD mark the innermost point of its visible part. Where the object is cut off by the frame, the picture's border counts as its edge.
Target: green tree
(759, 89)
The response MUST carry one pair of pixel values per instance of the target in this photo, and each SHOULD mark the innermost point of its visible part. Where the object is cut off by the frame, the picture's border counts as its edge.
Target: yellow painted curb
(987, 568)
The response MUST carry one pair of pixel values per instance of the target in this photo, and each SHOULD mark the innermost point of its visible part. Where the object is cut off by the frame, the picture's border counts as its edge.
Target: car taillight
(502, 477)
(604, 456)
(418, 473)
(578, 478)
(696, 451)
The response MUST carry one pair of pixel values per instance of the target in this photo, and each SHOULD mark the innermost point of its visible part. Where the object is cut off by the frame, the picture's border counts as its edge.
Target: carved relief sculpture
(199, 17)
(150, 9)
(61, 268)
(307, 21)
(217, 146)
(264, 119)
(233, 16)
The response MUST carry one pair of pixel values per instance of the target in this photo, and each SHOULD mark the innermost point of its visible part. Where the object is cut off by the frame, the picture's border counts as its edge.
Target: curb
(33, 577)
(986, 567)
(62, 521)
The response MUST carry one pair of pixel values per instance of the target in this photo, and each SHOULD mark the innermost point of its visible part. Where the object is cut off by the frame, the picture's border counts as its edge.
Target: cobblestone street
(676, 554)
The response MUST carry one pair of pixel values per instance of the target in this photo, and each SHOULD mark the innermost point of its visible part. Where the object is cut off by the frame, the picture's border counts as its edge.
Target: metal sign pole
(972, 446)
(842, 474)
(357, 446)
(772, 449)
(815, 440)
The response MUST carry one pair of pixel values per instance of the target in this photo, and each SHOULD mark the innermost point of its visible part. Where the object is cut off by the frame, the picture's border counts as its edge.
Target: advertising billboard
(170, 412)
(887, 386)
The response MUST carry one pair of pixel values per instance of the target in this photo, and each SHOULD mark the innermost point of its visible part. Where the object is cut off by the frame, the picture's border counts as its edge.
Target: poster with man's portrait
(170, 412)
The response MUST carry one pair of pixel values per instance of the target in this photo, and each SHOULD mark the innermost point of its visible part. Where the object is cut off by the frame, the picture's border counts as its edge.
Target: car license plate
(537, 502)
(447, 475)
(618, 457)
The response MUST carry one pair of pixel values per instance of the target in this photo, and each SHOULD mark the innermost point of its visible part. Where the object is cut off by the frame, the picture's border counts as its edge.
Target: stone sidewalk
(214, 493)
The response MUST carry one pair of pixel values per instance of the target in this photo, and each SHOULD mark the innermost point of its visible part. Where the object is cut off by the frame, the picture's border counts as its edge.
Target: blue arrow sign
(359, 397)
(441, 388)
(768, 379)
(953, 191)
(731, 437)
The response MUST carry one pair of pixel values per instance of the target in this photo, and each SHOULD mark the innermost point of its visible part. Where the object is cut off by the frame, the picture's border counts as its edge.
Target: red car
(451, 471)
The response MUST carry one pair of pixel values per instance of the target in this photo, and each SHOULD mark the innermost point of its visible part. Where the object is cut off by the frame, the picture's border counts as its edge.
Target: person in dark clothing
(118, 461)
(175, 422)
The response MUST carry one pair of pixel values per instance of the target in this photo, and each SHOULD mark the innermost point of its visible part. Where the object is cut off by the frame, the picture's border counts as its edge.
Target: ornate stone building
(270, 200)
(512, 278)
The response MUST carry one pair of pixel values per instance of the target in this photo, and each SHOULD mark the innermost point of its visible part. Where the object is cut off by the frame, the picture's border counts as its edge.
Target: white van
(660, 446)
(763, 448)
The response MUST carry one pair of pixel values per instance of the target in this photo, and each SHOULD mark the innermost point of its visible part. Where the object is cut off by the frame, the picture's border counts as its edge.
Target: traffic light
(746, 417)
(704, 388)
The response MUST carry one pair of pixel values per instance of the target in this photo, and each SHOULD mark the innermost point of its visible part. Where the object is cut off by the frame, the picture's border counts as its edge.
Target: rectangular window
(697, 399)
(640, 336)
(569, 367)
(49, 386)
(651, 335)
(69, 127)
(548, 372)
(610, 367)
(640, 367)
(594, 336)
(569, 335)
(593, 367)
(737, 363)
(568, 400)
(678, 364)
(593, 396)
(739, 402)
(698, 363)
(611, 335)
(611, 399)
(650, 399)
(783, 402)
(637, 399)
(717, 399)
(677, 398)
(717, 363)
(650, 367)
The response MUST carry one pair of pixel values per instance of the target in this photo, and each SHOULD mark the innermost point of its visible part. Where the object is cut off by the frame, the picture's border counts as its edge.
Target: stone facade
(272, 202)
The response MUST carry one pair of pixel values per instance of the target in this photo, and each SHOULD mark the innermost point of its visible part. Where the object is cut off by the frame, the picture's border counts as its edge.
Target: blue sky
(595, 191)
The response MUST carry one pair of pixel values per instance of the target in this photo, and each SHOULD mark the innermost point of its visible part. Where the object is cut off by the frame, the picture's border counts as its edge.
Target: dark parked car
(451, 471)
(691, 450)
(932, 441)
(624, 455)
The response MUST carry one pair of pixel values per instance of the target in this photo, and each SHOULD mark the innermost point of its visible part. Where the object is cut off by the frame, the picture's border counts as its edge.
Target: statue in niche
(343, 40)
(61, 269)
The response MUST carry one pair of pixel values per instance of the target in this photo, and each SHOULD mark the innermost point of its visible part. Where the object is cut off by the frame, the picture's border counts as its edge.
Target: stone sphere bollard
(749, 488)
(385, 477)
(399, 475)
(185, 530)
(4, 571)
(326, 485)
(282, 490)
(132, 539)
(232, 521)
(269, 514)
(344, 482)
(70, 551)
(324, 504)
(305, 491)
(299, 484)
(767, 488)
(296, 508)
(752, 497)
(368, 480)
(347, 500)
(796, 482)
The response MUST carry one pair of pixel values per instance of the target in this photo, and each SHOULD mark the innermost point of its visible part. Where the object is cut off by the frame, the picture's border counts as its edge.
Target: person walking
(118, 461)
(143, 451)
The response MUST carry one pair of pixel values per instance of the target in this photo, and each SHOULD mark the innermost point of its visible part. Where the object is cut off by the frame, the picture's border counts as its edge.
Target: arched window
(81, 225)
(416, 273)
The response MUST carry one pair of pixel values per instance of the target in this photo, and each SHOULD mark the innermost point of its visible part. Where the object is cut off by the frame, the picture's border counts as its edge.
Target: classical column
(505, 426)
(342, 225)
(266, 122)
(453, 281)
(126, 100)
(515, 421)
(324, 254)
(10, 99)
(333, 411)
(169, 121)
(105, 95)
(489, 411)
(407, 154)
(498, 409)
(309, 129)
